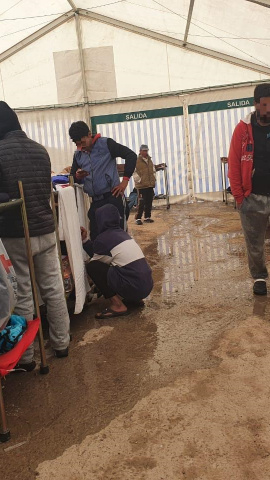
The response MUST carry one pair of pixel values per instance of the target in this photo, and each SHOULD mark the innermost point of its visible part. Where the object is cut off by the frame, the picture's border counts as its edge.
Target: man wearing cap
(145, 181)
(94, 164)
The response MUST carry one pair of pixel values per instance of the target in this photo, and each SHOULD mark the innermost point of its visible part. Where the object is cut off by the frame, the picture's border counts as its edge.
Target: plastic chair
(7, 363)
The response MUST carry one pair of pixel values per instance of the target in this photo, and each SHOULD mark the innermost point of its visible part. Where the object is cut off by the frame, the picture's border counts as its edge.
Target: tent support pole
(82, 65)
(188, 153)
(191, 6)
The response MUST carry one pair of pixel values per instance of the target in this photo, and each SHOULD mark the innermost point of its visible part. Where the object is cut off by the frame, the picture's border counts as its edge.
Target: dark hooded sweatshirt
(25, 160)
(130, 275)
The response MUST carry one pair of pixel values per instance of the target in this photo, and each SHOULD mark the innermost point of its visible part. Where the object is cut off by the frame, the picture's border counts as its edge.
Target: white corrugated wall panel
(166, 140)
(50, 129)
(210, 136)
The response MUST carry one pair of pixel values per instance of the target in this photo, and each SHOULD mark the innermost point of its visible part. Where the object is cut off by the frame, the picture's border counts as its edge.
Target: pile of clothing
(61, 178)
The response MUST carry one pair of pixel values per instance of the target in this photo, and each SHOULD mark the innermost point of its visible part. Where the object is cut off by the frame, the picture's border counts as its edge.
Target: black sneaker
(25, 367)
(61, 353)
(259, 287)
(148, 220)
(138, 221)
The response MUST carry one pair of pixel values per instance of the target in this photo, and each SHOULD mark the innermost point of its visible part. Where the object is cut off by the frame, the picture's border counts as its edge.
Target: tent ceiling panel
(224, 24)
(140, 63)
(143, 42)
(240, 29)
(173, 41)
(29, 75)
(19, 19)
(191, 70)
(149, 14)
(144, 65)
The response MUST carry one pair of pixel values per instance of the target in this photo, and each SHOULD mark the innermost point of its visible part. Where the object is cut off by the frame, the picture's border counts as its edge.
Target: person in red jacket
(249, 174)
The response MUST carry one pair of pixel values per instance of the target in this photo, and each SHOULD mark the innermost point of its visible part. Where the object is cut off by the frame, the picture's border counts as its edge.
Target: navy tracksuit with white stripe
(118, 263)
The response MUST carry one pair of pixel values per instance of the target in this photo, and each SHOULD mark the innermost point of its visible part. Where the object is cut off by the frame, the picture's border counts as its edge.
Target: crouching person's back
(118, 266)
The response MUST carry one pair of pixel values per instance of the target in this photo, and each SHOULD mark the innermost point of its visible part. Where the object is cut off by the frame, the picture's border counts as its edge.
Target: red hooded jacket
(240, 160)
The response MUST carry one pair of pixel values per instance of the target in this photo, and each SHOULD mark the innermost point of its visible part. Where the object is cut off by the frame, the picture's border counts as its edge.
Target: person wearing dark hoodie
(118, 266)
(25, 160)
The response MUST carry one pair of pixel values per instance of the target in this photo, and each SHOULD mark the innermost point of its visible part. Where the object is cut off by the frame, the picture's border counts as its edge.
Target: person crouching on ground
(118, 266)
(145, 181)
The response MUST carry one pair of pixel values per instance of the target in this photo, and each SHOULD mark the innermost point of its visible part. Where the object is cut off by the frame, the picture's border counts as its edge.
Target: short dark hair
(77, 130)
(262, 90)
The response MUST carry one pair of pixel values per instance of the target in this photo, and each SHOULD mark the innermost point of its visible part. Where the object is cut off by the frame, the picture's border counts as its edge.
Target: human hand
(81, 174)
(120, 189)
(83, 234)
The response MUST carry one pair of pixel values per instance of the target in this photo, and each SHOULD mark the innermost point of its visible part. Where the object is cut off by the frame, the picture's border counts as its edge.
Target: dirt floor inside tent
(177, 390)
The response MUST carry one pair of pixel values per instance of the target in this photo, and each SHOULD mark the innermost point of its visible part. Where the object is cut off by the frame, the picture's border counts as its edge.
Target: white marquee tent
(177, 75)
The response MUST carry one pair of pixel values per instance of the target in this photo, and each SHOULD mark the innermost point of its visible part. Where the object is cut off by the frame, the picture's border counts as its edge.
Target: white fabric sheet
(69, 231)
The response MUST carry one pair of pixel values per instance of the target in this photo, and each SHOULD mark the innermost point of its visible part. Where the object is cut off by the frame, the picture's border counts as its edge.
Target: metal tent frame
(78, 13)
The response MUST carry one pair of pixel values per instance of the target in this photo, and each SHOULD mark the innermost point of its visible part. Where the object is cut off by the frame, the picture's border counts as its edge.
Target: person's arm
(87, 243)
(130, 157)
(88, 247)
(136, 176)
(4, 197)
(77, 173)
(74, 167)
(234, 166)
(101, 252)
(154, 171)
(1, 181)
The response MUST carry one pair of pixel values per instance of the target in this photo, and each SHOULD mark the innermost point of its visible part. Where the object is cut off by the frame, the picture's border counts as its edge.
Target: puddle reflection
(191, 257)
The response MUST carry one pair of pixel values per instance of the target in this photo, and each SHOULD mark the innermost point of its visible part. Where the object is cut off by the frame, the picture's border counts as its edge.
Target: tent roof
(220, 28)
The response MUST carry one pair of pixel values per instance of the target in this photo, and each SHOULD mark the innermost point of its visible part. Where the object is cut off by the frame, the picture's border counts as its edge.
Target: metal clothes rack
(162, 167)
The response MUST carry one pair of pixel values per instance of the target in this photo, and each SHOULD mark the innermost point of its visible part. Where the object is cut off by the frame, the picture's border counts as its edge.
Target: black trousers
(145, 203)
(119, 202)
(98, 271)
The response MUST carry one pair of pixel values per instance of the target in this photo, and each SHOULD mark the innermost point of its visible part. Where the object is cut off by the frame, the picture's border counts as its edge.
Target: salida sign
(136, 116)
(239, 103)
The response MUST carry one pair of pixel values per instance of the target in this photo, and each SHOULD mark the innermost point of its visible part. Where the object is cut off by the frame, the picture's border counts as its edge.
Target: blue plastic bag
(12, 333)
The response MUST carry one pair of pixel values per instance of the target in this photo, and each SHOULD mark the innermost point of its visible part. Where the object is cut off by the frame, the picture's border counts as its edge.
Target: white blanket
(82, 211)
(69, 231)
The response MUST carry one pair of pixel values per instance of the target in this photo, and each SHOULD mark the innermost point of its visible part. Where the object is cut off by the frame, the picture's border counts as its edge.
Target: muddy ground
(177, 390)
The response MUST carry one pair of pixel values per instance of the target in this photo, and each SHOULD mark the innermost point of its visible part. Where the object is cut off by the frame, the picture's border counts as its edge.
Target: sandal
(109, 313)
(133, 303)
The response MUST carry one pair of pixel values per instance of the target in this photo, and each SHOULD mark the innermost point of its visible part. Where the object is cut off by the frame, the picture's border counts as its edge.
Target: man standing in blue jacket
(94, 164)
